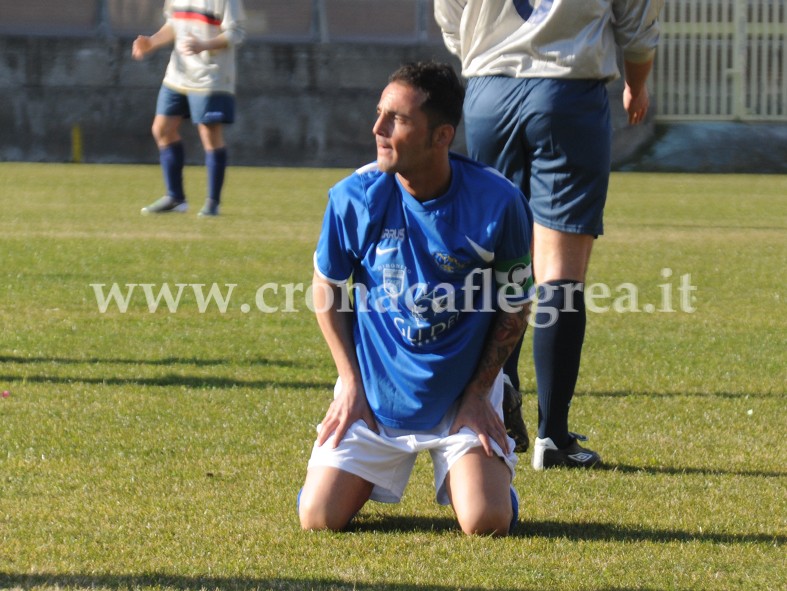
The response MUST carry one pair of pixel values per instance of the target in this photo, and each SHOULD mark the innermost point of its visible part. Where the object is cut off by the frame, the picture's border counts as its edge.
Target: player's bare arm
(350, 403)
(636, 99)
(475, 409)
(143, 44)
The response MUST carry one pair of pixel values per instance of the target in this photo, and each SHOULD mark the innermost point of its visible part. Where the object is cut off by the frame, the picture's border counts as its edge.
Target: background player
(424, 235)
(199, 83)
(537, 110)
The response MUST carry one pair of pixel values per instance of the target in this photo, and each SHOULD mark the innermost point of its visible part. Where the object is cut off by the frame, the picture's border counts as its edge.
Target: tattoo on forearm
(505, 333)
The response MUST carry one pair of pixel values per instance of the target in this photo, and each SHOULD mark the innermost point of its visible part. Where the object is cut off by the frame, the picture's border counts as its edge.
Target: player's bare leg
(330, 498)
(560, 263)
(211, 135)
(166, 133)
(479, 489)
(166, 130)
(560, 255)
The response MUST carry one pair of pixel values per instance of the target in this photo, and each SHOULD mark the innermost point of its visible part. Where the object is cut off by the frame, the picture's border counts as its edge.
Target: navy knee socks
(216, 163)
(557, 347)
(171, 158)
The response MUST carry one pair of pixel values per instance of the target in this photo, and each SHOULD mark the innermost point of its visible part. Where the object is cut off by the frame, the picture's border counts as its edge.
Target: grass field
(164, 450)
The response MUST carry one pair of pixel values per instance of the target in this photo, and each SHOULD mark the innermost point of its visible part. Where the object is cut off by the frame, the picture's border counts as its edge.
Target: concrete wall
(299, 104)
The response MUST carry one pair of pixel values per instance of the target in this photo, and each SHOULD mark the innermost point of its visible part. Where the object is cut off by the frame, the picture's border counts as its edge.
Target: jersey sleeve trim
(326, 277)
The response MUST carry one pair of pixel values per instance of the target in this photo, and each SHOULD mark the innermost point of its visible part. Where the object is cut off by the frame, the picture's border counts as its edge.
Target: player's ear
(443, 135)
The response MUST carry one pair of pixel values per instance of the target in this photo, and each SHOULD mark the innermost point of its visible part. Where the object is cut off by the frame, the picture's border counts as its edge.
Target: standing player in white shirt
(537, 110)
(199, 84)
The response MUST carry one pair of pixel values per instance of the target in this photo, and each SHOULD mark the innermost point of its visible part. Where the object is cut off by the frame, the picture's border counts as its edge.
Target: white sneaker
(165, 204)
(211, 209)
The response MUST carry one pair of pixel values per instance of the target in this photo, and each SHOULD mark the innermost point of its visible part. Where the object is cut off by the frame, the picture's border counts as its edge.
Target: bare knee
(489, 521)
(211, 135)
(330, 498)
(317, 516)
(479, 488)
(165, 130)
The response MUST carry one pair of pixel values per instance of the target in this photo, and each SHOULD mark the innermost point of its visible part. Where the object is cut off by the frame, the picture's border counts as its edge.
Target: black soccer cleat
(547, 455)
(512, 417)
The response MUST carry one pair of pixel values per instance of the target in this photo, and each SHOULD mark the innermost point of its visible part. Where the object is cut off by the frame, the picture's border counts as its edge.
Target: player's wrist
(478, 390)
(351, 382)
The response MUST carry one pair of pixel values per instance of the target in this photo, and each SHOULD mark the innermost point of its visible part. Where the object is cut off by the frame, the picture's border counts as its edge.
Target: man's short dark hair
(444, 92)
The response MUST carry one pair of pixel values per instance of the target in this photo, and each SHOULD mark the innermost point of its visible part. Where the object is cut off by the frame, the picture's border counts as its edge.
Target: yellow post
(76, 143)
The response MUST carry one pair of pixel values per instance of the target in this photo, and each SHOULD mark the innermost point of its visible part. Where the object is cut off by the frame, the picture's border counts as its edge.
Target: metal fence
(718, 59)
(722, 60)
(406, 21)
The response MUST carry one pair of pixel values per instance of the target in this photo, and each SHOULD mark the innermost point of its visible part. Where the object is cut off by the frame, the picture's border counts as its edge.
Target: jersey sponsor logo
(450, 263)
(381, 251)
(530, 14)
(419, 335)
(392, 234)
(432, 312)
(428, 305)
(425, 313)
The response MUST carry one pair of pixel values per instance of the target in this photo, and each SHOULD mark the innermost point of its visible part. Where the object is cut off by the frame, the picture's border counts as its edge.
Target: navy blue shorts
(552, 138)
(200, 107)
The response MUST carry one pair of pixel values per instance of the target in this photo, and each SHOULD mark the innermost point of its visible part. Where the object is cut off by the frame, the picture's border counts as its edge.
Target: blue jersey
(427, 281)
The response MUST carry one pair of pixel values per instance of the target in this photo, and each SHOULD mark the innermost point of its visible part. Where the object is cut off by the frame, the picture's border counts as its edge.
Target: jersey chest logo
(393, 281)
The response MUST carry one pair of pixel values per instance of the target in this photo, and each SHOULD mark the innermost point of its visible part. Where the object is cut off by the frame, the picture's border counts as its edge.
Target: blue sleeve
(513, 264)
(341, 242)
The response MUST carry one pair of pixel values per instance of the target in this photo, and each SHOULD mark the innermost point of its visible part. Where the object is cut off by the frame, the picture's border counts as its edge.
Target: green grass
(163, 450)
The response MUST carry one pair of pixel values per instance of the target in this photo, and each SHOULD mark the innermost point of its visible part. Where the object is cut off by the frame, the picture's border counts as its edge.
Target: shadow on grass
(196, 361)
(169, 380)
(628, 469)
(629, 394)
(184, 583)
(610, 532)
(586, 532)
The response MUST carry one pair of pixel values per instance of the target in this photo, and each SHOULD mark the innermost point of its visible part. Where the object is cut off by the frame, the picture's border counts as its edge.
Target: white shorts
(387, 459)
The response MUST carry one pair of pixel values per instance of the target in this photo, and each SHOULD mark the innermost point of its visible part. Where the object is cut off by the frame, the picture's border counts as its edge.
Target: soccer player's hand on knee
(347, 407)
(477, 413)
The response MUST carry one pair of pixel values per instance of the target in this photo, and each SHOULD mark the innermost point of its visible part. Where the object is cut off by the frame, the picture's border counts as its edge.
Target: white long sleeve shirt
(207, 71)
(554, 39)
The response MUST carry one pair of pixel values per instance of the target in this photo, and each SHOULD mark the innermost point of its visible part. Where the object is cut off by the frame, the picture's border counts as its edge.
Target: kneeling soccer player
(438, 250)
